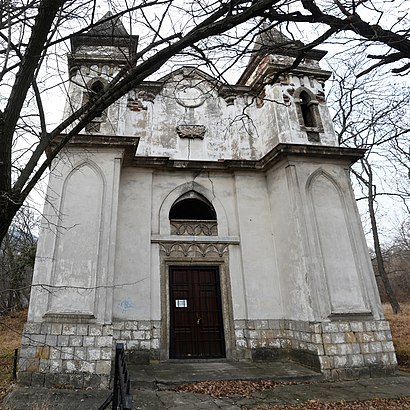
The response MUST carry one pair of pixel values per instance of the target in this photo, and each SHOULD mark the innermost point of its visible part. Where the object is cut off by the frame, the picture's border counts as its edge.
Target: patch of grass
(11, 329)
(400, 328)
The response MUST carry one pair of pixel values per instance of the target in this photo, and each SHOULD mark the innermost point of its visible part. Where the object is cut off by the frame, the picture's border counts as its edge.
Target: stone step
(166, 375)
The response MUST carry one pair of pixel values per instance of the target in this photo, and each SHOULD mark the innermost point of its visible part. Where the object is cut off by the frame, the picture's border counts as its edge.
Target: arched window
(308, 114)
(307, 110)
(193, 214)
(95, 87)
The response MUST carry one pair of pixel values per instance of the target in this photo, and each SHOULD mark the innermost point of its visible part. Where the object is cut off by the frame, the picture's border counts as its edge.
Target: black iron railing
(120, 397)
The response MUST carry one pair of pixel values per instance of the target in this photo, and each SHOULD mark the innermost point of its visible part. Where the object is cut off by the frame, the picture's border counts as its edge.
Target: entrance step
(166, 375)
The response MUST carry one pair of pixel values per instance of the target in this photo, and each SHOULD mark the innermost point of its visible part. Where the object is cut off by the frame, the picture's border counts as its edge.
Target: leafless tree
(33, 32)
(372, 112)
(17, 253)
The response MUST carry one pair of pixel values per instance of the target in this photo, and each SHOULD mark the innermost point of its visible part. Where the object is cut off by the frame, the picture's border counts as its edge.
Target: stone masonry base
(339, 349)
(80, 355)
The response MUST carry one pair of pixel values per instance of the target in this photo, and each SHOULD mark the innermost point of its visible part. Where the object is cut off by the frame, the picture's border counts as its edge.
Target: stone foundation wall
(338, 349)
(80, 355)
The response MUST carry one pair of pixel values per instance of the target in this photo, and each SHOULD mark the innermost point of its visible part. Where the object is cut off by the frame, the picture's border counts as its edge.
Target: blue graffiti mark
(126, 305)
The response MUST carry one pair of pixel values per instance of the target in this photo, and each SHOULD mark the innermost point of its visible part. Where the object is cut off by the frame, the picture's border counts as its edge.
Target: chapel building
(194, 219)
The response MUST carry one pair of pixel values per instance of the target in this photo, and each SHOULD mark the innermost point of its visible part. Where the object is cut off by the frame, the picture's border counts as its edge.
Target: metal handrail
(120, 397)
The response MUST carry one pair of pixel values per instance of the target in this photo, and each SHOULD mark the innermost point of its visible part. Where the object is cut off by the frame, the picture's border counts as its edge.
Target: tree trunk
(377, 248)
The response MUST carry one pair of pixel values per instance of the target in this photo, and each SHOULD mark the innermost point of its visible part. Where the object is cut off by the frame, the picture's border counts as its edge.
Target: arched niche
(77, 252)
(193, 214)
(336, 246)
(200, 192)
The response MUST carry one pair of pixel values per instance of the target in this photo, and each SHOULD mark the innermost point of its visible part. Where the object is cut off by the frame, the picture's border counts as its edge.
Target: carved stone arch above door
(172, 197)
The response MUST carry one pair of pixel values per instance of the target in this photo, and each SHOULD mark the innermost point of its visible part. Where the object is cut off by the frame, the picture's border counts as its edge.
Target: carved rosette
(194, 249)
(191, 131)
(194, 228)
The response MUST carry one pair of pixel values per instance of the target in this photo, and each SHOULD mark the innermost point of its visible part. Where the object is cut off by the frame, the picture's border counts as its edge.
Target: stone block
(139, 334)
(69, 330)
(357, 326)
(87, 367)
(56, 329)
(56, 366)
(330, 349)
(55, 353)
(327, 338)
(32, 365)
(28, 351)
(356, 360)
(126, 334)
(67, 353)
(388, 346)
(93, 353)
(154, 344)
(156, 332)
(116, 334)
(103, 367)
(107, 330)
(356, 348)
(344, 326)
(274, 324)
(24, 378)
(103, 341)
(330, 327)
(338, 337)
(51, 340)
(71, 366)
(32, 328)
(262, 324)
(76, 341)
(131, 325)
(45, 328)
(76, 381)
(25, 340)
(365, 348)
(339, 361)
(145, 344)
(82, 329)
(37, 379)
(370, 359)
(95, 381)
(325, 362)
(133, 344)
(63, 340)
(370, 326)
(88, 341)
(95, 330)
(106, 353)
(38, 339)
(382, 325)
(375, 347)
(80, 353)
(144, 325)
(118, 325)
(44, 366)
(43, 352)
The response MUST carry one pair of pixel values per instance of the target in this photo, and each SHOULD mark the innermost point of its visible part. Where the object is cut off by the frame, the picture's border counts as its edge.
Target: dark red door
(196, 329)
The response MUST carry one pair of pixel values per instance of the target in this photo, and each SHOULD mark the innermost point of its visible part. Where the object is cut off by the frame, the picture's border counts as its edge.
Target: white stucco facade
(293, 274)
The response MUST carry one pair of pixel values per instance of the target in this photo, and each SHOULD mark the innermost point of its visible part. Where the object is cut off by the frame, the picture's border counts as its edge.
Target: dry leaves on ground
(224, 388)
(376, 404)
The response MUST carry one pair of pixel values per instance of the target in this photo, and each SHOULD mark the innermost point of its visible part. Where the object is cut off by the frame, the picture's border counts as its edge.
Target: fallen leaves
(376, 404)
(226, 388)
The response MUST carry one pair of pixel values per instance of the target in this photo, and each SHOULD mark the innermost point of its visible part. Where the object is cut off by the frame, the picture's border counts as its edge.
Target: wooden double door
(196, 328)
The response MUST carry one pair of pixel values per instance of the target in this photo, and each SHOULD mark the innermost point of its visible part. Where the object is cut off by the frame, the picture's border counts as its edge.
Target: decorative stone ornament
(190, 96)
(191, 131)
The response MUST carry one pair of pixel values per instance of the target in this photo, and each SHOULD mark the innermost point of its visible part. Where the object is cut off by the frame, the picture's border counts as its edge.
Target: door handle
(198, 320)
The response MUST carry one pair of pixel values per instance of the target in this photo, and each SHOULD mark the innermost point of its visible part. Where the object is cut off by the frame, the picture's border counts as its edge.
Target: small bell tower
(96, 57)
